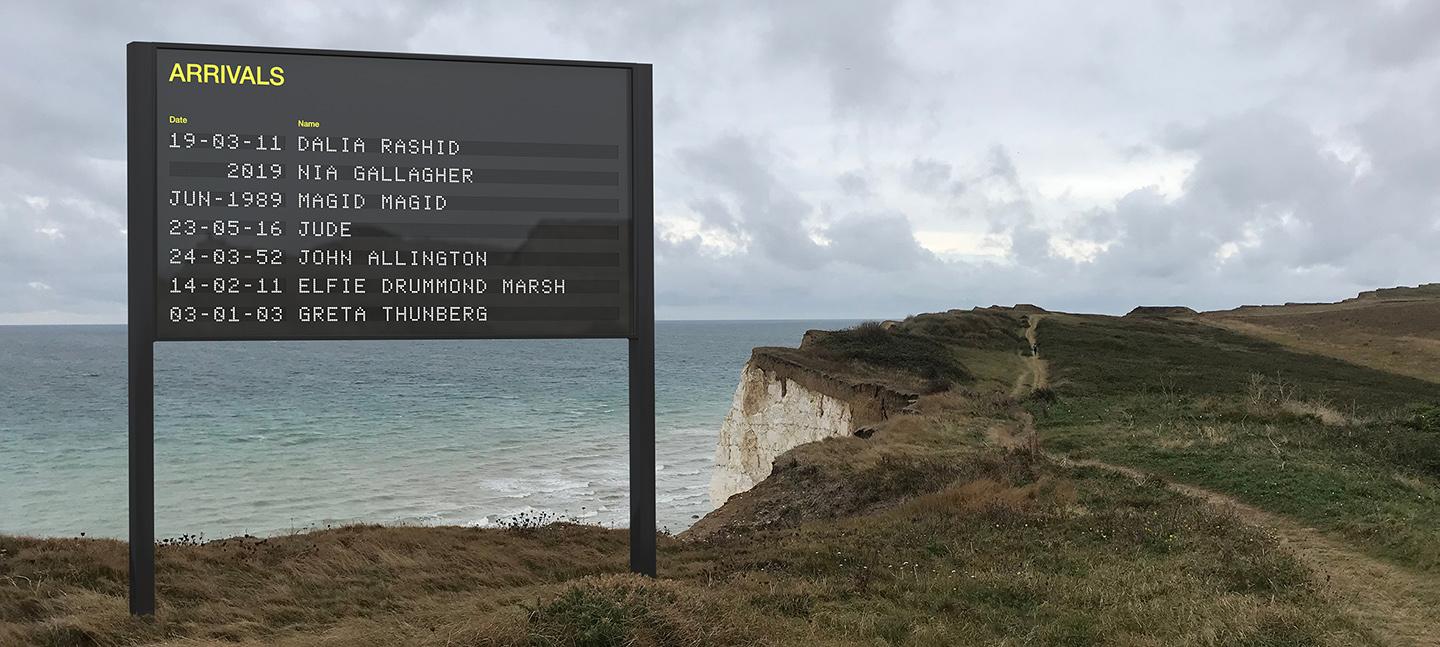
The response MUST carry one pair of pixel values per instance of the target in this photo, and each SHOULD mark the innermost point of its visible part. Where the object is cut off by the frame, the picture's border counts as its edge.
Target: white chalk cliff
(770, 415)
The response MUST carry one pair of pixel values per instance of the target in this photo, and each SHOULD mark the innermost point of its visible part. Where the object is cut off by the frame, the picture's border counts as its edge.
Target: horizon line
(756, 319)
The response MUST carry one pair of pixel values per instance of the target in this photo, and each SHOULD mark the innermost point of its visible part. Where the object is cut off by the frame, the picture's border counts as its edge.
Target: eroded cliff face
(779, 405)
(770, 415)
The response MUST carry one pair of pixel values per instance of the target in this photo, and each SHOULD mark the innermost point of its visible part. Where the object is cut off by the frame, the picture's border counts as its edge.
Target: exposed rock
(870, 402)
(769, 415)
(781, 404)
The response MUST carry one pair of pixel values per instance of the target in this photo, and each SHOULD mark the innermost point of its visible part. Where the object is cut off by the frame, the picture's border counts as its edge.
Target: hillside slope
(1342, 461)
(1395, 330)
(1015, 501)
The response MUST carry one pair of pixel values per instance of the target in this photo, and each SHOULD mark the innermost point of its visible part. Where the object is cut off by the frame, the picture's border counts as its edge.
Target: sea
(267, 438)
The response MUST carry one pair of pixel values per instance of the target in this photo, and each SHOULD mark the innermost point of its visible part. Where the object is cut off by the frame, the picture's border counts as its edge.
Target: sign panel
(316, 194)
(346, 196)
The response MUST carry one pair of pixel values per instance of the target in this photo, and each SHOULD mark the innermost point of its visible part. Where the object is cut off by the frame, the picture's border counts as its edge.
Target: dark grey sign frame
(142, 129)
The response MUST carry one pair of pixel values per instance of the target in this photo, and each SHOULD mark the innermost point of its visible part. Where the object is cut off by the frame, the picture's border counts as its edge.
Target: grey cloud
(772, 214)
(928, 175)
(1399, 35)
(1001, 166)
(758, 109)
(716, 214)
(1268, 182)
(853, 42)
(854, 184)
(884, 241)
(849, 43)
(1387, 34)
(62, 124)
(1013, 214)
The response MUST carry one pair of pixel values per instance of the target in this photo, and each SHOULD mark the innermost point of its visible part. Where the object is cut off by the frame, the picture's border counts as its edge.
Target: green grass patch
(918, 355)
(1017, 547)
(1348, 449)
(1109, 356)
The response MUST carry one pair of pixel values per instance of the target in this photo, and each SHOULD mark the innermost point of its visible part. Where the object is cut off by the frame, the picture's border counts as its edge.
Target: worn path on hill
(1401, 607)
(1036, 373)
(1397, 605)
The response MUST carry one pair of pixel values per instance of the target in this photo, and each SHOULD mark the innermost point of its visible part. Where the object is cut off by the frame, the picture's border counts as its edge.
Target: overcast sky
(860, 159)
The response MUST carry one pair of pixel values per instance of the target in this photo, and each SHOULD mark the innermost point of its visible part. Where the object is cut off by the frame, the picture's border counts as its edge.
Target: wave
(528, 487)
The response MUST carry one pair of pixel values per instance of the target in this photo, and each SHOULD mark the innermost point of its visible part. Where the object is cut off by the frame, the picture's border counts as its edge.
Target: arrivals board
(317, 194)
(353, 196)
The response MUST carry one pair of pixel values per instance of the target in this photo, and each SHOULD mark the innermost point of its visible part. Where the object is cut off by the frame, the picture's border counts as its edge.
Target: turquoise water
(269, 437)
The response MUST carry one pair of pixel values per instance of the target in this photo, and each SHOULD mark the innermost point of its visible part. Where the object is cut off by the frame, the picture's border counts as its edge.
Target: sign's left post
(140, 169)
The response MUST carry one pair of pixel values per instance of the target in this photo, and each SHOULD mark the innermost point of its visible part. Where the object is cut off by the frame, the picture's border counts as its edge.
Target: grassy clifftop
(1057, 480)
(1346, 447)
(1396, 330)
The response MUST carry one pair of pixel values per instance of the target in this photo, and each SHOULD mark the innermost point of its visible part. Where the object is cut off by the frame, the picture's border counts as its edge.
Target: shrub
(1426, 419)
(920, 356)
(588, 616)
(626, 610)
(993, 331)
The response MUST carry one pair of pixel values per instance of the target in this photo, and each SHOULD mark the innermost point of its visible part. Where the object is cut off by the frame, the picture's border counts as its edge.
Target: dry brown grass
(1398, 336)
(967, 402)
(1265, 395)
(924, 534)
(1012, 549)
(919, 536)
(62, 591)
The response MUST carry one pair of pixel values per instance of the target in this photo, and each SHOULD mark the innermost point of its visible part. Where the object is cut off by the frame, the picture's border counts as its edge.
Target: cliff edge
(842, 383)
(784, 401)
